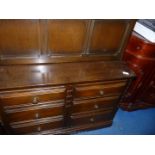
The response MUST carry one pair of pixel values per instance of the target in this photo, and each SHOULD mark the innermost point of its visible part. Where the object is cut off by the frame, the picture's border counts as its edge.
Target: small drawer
(34, 112)
(140, 46)
(91, 118)
(29, 128)
(99, 89)
(94, 104)
(33, 96)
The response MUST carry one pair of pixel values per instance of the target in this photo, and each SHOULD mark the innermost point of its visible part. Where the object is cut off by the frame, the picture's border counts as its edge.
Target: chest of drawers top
(28, 76)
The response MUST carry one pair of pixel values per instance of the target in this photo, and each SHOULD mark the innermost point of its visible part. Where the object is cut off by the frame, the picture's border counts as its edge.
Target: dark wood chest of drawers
(140, 57)
(61, 76)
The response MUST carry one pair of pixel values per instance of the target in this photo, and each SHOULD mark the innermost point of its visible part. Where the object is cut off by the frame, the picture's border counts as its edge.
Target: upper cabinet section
(54, 41)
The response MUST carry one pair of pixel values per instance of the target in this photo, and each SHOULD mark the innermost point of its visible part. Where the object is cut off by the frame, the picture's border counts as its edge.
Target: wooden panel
(19, 38)
(107, 36)
(34, 112)
(33, 97)
(99, 89)
(66, 36)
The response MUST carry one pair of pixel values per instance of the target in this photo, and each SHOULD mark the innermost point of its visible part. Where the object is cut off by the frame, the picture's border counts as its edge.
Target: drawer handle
(35, 100)
(38, 128)
(37, 115)
(96, 106)
(101, 92)
(92, 120)
(138, 47)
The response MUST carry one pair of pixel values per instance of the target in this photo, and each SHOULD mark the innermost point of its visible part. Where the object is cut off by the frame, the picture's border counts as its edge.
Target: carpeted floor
(140, 122)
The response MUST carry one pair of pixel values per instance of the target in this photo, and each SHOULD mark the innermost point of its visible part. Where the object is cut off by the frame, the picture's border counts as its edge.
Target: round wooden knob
(38, 128)
(35, 100)
(101, 92)
(96, 106)
(138, 47)
(37, 115)
(92, 120)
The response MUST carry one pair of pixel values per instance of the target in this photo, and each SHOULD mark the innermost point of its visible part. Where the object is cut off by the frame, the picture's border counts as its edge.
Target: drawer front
(92, 118)
(99, 89)
(139, 46)
(29, 128)
(33, 96)
(94, 104)
(34, 112)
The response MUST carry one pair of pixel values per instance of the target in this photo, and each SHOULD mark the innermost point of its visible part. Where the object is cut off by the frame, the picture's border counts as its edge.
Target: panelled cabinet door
(66, 36)
(19, 38)
(108, 36)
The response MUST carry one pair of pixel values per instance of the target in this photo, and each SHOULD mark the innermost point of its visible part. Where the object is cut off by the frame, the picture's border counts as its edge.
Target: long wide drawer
(91, 118)
(38, 126)
(99, 89)
(34, 112)
(94, 104)
(33, 96)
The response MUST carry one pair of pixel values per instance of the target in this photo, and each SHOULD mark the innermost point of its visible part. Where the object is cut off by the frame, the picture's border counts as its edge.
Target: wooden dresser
(140, 57)
(61, 76)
